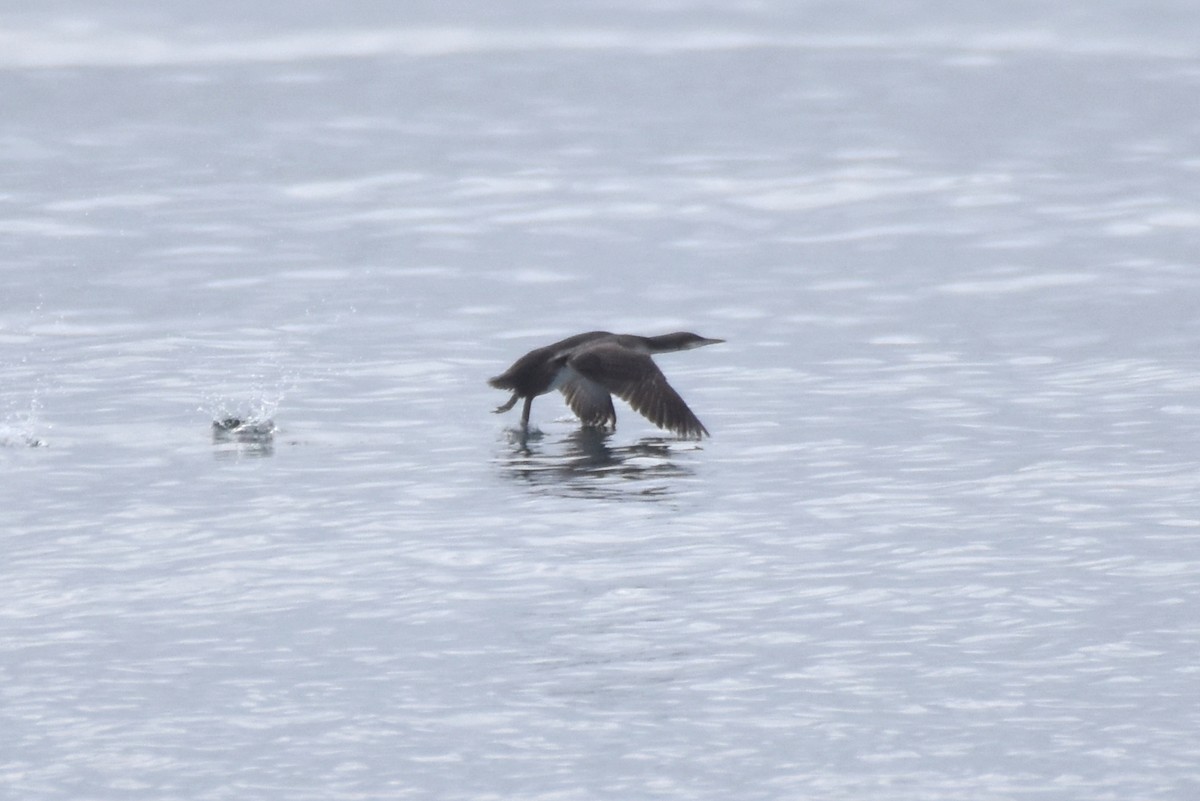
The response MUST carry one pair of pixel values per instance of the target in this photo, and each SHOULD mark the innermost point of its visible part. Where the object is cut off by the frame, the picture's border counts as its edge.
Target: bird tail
(502, 381)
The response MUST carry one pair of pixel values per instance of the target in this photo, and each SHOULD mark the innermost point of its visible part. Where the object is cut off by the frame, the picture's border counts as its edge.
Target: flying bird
(590, 368)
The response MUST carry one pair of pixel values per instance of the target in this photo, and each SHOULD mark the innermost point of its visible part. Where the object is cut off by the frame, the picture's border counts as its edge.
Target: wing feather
(590, 401)
(636, 379)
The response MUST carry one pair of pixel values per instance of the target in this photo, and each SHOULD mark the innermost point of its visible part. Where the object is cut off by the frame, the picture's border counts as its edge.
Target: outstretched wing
(636, 379)
(590, 401)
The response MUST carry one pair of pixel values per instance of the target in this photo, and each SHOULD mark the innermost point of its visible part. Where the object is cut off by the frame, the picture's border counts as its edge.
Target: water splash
(20, 426)
(244, 427)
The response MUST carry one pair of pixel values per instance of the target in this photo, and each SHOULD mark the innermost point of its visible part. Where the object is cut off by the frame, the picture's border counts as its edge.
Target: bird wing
(590, 401)
(636, 379)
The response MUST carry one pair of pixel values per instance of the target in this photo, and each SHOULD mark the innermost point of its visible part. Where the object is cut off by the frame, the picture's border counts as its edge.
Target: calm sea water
(944, 542)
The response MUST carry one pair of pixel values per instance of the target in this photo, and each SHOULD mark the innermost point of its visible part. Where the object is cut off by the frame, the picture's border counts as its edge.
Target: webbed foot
(511, 403)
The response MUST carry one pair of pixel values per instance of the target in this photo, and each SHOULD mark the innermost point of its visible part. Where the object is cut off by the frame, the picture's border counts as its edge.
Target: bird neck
(665, 343)
(642, 344)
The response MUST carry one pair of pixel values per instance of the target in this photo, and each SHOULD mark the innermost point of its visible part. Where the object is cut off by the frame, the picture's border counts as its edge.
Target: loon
(587, 367)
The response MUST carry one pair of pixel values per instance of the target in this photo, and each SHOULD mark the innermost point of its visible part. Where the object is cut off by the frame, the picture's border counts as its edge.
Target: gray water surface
(944, 542)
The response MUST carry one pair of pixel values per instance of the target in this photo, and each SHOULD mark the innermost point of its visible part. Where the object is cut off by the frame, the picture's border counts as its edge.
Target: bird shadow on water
(585, 464)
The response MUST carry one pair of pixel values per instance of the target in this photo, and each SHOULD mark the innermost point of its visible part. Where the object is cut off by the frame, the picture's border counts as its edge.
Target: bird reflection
(584, 463)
